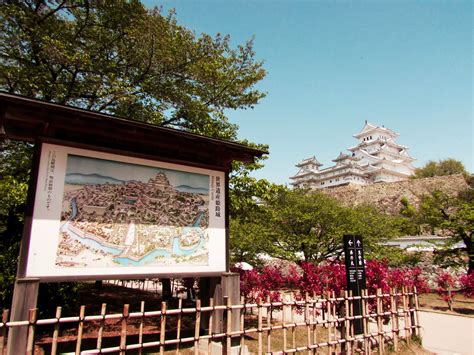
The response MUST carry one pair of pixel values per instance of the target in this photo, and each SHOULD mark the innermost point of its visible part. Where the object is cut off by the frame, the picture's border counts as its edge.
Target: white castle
(377, 158)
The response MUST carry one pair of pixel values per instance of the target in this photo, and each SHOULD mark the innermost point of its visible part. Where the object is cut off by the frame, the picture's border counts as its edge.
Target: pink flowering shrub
(320, 279)
(467, 284)
(446, 284)
(260, 284)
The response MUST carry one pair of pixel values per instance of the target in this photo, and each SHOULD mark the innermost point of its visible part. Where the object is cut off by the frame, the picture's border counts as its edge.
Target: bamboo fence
(312, 325)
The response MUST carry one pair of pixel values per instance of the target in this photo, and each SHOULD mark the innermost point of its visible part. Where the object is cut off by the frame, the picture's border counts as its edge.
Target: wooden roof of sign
(29, 119)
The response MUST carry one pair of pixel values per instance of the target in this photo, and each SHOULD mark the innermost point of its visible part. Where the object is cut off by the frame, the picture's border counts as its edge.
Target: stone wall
(386, 196)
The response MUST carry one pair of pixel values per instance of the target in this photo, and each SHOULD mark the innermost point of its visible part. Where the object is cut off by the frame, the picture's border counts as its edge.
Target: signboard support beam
(25, 295)
(222, 290)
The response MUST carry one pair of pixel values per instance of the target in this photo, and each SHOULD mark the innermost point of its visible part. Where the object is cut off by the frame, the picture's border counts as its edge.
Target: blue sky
(332, 65)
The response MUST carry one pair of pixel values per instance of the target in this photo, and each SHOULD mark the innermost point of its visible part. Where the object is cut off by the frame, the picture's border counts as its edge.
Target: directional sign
(355, 273)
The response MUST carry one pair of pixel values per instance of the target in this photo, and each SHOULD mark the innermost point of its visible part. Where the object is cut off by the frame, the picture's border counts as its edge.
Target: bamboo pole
(417, 307)
(355, 344)
(163, 327)
(283, 320)
(80, 329)
(54, 344)
(405, 317)
(32, 318)
(259, 327)
(347, 324)
(329, 320)
(228, 303)
(123, 331)
(242, 325)
(313, 316)
(211, 320)
(140, 328)
(197, 327)
(379, 321)
(178, 325)
(307, 322)
(293, 328)
(394, 318)
(269, 325)
(365, 322)
(3, 330)
(103, 311)
(335, 321)
(410, 315)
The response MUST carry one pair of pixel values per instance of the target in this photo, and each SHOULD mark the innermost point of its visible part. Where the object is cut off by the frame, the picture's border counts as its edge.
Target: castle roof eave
(369, 128)
(307, 161)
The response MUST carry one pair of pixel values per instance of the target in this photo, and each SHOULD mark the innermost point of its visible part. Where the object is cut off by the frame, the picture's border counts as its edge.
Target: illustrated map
(121, 214)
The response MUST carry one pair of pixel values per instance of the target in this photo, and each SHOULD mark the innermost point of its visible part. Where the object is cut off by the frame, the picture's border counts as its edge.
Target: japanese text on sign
(49, 181)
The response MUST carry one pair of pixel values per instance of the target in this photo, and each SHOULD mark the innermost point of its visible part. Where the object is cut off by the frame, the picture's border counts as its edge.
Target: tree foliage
(119, 57)
(454, 217)
(247, 194)
(14, 176)
(300, 225)
(441, 168)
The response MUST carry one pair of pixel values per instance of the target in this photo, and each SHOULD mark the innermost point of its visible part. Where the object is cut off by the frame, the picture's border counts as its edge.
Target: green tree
(247, 218)
(121, 58)
(454, 217)
(14, 175)
(441, 168)
(309, 226)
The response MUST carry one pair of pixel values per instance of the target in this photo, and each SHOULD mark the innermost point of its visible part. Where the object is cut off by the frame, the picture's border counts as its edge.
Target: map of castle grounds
(121, 214)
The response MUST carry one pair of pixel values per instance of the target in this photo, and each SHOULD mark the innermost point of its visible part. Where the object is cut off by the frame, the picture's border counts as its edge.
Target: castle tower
(376, 158)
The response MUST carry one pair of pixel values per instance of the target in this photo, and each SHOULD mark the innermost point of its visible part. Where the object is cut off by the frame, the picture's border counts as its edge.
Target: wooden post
(417, 307)
(412, 312)
(103, 311)
(25, 295)
(163, 327)
(32, 318)
(329, 320)
(228, 331)
(123, 331)
(365, 323)
(142, 319)
(209, 288)
(405, 315)
(394, 318)
(54, 345)
(347, 326)
(269, 311)
(379, 320)
(197, 328)
(80, 329)
(231, 288)
(307, 320)
(3, 331)
(178, 325)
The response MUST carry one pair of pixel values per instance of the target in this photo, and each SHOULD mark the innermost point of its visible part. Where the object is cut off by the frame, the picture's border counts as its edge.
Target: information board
(99, 215)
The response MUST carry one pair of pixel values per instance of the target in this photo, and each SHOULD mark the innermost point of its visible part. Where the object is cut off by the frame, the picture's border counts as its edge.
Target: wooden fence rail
(306, 324)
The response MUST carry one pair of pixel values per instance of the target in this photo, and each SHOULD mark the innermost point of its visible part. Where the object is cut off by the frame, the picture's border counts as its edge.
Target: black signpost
(355, 274)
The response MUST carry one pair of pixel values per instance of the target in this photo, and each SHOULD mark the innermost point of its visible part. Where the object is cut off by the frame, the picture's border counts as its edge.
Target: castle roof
(371, 128)
(309, 161)
(341, 157)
